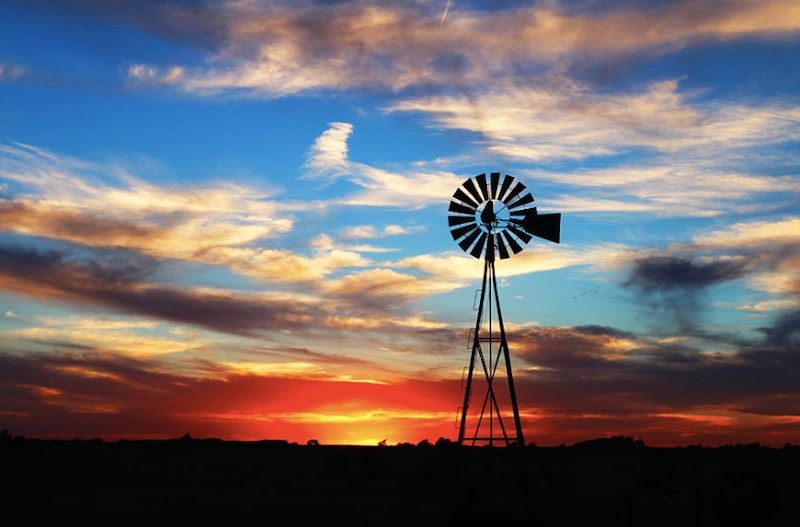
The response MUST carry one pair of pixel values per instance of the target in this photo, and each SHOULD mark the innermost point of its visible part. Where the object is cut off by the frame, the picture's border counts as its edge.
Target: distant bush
(444, 442)
(611, 443)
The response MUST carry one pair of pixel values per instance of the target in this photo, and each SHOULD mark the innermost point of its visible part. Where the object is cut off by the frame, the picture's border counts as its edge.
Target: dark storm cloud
(672, 288)
(119, 282)
(196, 22)
(667, 273)
(785, 331)
(580, 371)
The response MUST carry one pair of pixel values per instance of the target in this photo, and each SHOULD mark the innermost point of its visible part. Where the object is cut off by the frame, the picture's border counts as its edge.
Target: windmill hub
(488, 216)
(491, 215)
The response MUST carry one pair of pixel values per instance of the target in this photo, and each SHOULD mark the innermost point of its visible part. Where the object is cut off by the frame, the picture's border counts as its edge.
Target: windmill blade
(524, 200)
(458, 207)
(521, 213)
(506, 183)
(470, 186)
(459, 220)
(522, 235)
(519, 187)
(478, 249)
(467, 242)
(461, 231)
(461, 196)
(501, 247)
(515, 247)
(547, 226)
(489, 247)
(495, 181)
(481, 179)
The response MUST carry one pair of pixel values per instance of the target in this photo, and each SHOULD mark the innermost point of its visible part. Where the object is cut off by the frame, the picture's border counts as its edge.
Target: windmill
(489, 218)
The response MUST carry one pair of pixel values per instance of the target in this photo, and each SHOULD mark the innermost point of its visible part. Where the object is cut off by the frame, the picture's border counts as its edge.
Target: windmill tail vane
(488, 217)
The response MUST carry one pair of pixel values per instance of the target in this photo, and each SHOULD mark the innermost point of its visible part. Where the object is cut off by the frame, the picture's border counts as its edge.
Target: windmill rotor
(497, 216)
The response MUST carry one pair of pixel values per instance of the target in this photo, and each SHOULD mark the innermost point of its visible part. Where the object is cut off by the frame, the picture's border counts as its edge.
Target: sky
(229, 218)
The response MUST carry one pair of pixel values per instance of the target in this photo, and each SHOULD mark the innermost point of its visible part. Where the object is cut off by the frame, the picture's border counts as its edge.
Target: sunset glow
(228, 218)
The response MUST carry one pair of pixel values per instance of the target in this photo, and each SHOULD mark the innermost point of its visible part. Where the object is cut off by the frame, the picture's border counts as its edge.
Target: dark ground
(602, 482)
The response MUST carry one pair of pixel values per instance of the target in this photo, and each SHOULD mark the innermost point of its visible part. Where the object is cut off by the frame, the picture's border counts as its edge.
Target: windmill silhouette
(489, 218)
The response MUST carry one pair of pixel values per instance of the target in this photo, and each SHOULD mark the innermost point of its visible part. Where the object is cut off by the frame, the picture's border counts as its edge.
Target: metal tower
(488, 218)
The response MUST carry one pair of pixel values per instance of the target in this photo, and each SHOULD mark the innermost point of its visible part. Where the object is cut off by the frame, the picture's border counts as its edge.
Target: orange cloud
(54, 396)
(64, 200)
(385, 283)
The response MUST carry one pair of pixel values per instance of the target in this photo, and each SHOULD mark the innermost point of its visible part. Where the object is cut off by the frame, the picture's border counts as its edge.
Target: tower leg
(475, 349)
(509, 372)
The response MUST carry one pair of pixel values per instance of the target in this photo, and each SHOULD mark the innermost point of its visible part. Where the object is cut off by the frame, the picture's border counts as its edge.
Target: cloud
(120, 283)
(271, 50)
(454, 266)
(359, 232)
(669, 187)
(752, 234)
(771, 305)
(412, 189)
(771, 246)
(604, 378)
(673, 287)
(377, 187)
(88, 394)
(378, 285)
(101, 205)
(108, 339)
(365, 301)
(573, 383)
(664, 273)
(328, 154)
(145, 74)
(563, 118)
(281, 265)
(10, 72)
(763, 255)
(785, 331)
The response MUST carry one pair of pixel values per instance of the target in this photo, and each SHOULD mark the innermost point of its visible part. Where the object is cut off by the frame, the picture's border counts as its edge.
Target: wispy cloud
(670, 187)
(10, 72)
(377, 187)
(382, 284)
(272, 50)
(102, 205)
(145, 74)
(328, 154)
(458, 267)
(562, 118)
(360, 232)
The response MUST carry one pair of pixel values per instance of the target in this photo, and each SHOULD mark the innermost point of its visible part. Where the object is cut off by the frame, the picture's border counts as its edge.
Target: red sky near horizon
(228, 218)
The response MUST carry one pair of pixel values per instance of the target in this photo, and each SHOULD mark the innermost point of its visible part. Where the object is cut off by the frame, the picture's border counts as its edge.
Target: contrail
(446, 10)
